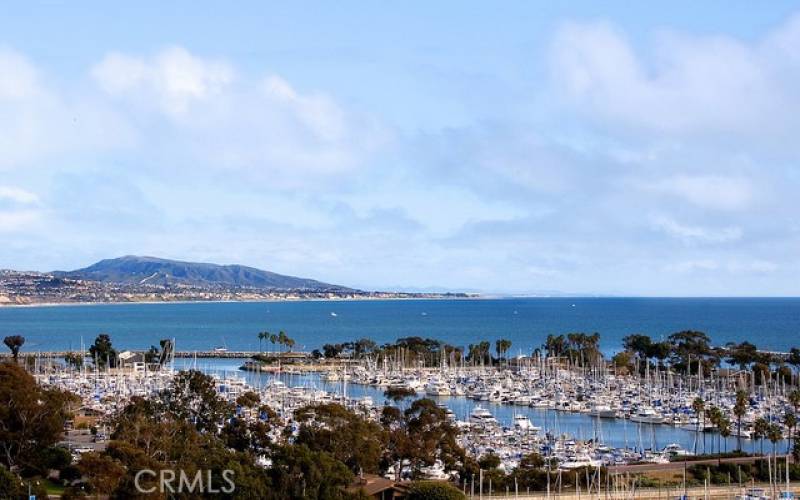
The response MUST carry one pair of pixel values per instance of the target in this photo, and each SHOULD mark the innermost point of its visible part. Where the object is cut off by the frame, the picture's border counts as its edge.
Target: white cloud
(174, 77)
(19, 79)
(696, 234)
(707, 191)
(219, 119)
(18, 195)
(734, 266)
(16, 220)
(685, 85)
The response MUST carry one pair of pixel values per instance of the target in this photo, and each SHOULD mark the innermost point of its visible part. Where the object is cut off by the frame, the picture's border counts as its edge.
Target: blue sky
(583, 147)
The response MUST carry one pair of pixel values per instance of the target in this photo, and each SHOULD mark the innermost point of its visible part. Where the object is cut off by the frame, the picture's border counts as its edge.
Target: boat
(602, 411)
(437, 387)
(481, 415)
(579, 461)
(676, 450)
(523, 423)
(647, 416)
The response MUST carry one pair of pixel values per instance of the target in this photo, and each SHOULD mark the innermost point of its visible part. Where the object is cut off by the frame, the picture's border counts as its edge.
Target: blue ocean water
(770, 323)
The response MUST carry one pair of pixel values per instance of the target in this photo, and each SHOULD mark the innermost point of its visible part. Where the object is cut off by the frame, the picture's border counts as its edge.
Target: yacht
(647, 416)
(603, 411)
(579, 461)
(437, 387)
(481, 415)
(523, 423)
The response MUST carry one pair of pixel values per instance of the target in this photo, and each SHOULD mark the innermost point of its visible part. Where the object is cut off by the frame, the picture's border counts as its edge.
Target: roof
(372, 484)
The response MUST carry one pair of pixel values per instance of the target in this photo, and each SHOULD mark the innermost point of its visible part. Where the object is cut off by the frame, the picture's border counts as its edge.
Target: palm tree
(739, 410)
(699, 408)
(724, 425)
(774, 434)
(791, 422)
(760, 429)
(273, 338)
(14, 343)
(261, 337)
(715, 417)
(794, 399)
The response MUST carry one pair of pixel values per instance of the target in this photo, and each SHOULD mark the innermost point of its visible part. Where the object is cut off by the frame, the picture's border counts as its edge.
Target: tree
(14, 343)
(724, 425)
(689, 349)
(741, 355)
(363, 347)
(430, 436)
(104, 473)
(399, 393)
(433, 490)
(790, 420)
(794, 358)
(74, 359)
(298, 472)
(31, 417)
(248, 400)
(103, 352)
(760, 430)
(344, 435)
(502, 346)
(794, 399)
(11, 486)
(331, 351)
(715, 417)
(699, 408)
(739, 410)
(638, 344)
(193, 397)
(262, 336)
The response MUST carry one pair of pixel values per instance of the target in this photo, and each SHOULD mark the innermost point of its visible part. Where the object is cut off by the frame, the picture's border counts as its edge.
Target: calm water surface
(770, 323)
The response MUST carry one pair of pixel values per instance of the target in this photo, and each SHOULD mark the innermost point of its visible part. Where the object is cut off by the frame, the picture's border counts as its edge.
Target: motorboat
(647, 416)
(481, 415)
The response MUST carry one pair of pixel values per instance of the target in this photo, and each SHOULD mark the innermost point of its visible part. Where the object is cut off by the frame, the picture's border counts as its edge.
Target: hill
(135, 270)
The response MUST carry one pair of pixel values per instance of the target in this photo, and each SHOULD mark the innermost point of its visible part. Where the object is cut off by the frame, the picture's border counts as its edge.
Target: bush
(434, 490)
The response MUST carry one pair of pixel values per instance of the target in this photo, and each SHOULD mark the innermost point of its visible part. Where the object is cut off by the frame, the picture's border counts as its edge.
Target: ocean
(770, 323)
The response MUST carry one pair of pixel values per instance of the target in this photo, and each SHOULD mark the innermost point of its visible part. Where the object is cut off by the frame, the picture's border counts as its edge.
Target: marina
(579, 418)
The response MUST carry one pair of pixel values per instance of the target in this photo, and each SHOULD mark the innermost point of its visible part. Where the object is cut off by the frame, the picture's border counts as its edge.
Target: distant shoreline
(258, 301)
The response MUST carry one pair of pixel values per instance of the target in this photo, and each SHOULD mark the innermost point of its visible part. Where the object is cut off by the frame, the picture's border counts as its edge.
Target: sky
(621, 148)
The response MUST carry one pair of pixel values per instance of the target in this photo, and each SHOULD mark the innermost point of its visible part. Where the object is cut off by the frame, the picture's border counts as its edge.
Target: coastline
(256, 301)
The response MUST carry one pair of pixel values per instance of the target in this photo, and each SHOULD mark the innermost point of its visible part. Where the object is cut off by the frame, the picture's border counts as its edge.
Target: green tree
(74, 359)
(399, 393)
(104, 473)
(249, 399)
(301, 473)
(193, 397)
(689, 349)
(14, 344)
(262, 336)
(343, 434)
(699, 408)
(739, 410)
(433, 490)
(32, 417)
(103, 352)
(760, 431)
(741, 355)
(790, 420)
